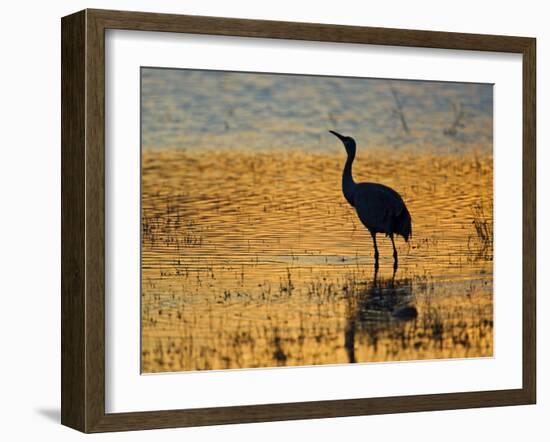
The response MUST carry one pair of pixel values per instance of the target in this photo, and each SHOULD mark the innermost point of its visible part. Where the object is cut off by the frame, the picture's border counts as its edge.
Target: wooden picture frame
(83, 216)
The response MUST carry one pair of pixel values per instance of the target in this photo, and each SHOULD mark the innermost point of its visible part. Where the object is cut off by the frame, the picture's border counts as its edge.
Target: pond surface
(251, 256)
(256, 260)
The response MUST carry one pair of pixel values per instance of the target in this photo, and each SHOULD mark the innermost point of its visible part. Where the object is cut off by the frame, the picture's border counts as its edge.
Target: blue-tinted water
(209, 109)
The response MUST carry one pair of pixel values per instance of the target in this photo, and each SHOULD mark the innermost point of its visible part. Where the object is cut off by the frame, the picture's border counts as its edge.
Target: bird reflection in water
(383, 305)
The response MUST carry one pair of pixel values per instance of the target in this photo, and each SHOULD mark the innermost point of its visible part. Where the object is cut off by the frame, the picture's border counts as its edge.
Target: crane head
(349, 143)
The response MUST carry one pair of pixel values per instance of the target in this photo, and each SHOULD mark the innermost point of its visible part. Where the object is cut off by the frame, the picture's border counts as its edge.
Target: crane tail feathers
(403, 225)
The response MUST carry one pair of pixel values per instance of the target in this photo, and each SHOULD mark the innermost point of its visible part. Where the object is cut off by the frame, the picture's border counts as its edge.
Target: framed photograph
(268, 220)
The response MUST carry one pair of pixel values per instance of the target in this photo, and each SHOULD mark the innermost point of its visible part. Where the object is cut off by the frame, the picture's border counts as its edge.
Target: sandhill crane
(380, 208)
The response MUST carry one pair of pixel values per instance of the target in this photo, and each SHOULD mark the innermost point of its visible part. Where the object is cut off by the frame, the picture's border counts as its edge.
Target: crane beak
(336, 134)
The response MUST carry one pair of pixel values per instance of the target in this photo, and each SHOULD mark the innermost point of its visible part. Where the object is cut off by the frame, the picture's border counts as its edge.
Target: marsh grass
(483, 224)
(355, 319)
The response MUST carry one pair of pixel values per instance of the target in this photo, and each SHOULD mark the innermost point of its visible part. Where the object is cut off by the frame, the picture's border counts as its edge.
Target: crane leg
(376, 255)
(394, 253)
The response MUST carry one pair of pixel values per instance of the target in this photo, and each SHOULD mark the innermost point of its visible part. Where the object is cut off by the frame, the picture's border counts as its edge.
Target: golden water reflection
(254, 259)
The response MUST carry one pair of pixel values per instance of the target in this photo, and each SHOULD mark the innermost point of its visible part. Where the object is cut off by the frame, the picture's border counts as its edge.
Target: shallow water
(254, 258)
(195, 109)
(251, 257)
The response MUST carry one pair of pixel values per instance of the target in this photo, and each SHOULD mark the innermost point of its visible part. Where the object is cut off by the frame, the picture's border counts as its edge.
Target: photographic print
(299, 220)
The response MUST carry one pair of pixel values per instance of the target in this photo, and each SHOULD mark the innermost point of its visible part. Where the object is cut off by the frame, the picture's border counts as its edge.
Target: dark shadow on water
(381, 306)
(51, 414)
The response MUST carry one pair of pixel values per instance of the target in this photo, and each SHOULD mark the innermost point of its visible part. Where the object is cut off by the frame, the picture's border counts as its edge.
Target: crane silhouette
(380, 208)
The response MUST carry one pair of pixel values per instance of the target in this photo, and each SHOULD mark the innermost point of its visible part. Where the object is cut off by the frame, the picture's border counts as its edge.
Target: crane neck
(348, 185)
